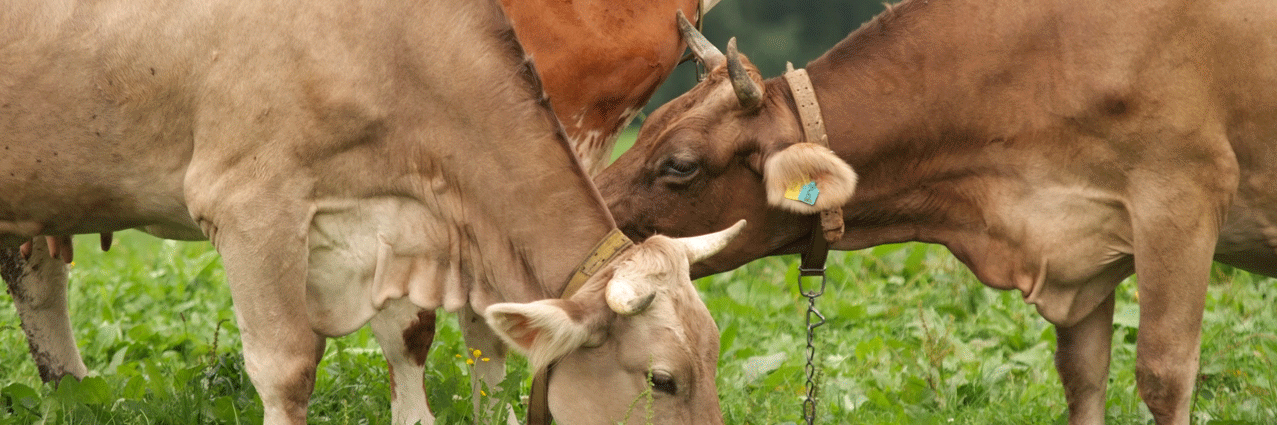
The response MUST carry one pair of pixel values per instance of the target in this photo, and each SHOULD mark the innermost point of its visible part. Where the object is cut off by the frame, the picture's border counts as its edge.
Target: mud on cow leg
(38, 285)
(405, 333)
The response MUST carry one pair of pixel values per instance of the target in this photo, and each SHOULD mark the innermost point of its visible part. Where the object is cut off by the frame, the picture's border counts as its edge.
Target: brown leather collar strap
(808, 108)
(831, 222)
(604, 252)
(613, 244)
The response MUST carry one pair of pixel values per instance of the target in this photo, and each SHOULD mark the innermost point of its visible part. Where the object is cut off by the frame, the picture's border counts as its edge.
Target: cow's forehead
(708, 100)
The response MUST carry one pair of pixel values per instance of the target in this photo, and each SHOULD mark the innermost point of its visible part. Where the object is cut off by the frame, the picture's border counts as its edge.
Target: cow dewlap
(802, 164)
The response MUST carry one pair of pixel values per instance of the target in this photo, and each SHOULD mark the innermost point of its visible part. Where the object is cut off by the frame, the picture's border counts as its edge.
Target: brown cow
(601, 60)
(354, 162)
(1055, 147)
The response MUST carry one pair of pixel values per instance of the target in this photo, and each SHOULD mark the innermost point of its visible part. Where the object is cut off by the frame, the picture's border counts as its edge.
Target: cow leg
(266, 269)
(405, 333)
(1169, 342)
(38, 286)
(489, 364)
(1082, 358)
(1176, 229)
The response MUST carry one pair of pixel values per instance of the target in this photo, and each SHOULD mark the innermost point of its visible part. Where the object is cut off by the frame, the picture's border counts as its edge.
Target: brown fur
(1054, 147)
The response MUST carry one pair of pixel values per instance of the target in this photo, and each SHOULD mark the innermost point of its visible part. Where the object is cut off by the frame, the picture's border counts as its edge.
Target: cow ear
(807, 178)
(542, 330)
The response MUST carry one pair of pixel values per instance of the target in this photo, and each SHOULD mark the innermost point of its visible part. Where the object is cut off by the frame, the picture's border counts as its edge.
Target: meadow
(911, 338)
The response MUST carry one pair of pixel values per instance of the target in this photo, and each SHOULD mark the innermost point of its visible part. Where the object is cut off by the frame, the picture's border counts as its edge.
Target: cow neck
(830, 221)
(896, 121)
(529, 214)
(603, 253)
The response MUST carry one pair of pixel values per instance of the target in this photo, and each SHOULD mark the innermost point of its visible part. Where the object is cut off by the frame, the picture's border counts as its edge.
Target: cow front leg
(266, 270)
(1082, 358)
(405, 333)
(1176, 228)
(488, 352)
(1169, 342)
(38, 285)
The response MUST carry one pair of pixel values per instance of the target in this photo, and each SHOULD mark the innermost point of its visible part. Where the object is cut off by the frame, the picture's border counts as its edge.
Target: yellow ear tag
(793, 191)
(805, 193)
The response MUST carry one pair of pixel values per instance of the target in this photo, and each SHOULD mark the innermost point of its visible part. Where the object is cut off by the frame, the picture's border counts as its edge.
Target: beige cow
(354, 162)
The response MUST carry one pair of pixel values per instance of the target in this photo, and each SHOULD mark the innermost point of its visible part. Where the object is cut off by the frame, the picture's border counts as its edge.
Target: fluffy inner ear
(785, 174)
(542, 330)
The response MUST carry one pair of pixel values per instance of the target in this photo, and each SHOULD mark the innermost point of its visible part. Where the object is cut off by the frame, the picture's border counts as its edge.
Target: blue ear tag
(809, 193)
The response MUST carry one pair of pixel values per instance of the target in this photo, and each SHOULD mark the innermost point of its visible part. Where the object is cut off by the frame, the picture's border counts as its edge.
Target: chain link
(814, 320)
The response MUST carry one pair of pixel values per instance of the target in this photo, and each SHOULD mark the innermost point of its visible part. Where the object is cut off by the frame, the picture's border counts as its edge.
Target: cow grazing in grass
(1055, 147)
(354, 162)
(601, 60)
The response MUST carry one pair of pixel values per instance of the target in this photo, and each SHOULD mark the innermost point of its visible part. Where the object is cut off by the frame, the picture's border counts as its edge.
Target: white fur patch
(801, 163)
(541, 330)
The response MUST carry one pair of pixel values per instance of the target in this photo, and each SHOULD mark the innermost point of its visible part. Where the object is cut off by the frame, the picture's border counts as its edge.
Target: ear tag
(805, 193)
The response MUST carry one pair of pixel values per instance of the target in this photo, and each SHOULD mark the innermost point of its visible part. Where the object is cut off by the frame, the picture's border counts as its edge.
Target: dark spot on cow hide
(152, 71)
(1115, 107)
(418, 336)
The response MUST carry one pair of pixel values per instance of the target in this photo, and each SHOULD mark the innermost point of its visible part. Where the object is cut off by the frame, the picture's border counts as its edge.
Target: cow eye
(679, 168)
(662, 382)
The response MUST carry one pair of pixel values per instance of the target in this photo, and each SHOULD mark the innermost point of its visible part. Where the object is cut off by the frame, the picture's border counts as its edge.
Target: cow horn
(701, 47)
(747, 90)
(627, 296)
(703, 246)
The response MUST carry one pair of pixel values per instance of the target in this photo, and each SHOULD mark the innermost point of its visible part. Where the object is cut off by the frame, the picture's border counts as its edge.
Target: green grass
(912, 338)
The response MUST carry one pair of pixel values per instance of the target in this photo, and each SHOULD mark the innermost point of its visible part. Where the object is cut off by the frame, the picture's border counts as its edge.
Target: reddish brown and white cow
(601, 60)
(354, 162)
(1053, 146)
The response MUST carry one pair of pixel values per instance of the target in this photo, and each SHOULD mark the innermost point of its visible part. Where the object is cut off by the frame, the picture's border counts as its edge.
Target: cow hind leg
(38, 285)
(1082, 358)
(488, 352)
(405, 333)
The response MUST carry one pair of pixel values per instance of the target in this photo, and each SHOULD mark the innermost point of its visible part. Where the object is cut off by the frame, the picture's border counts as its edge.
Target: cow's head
(726, 150)
(636, 342)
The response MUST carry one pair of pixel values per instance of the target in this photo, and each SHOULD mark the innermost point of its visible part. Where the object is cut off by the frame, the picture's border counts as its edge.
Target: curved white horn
(629, 296)
(703, 246)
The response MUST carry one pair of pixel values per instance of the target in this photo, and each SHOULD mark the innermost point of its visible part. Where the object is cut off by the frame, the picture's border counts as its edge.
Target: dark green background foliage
(771, 32)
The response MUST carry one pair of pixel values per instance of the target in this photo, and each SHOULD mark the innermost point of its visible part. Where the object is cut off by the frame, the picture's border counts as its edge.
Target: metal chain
(809, 403)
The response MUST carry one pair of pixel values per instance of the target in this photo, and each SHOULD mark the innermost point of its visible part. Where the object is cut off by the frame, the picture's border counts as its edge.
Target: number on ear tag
(806, 193)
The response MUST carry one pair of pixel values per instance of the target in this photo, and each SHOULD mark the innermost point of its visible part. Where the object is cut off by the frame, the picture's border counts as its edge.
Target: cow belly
(366, 252)
(1248, 243)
